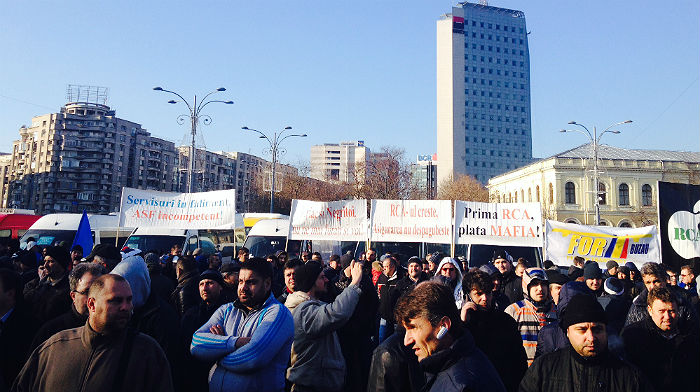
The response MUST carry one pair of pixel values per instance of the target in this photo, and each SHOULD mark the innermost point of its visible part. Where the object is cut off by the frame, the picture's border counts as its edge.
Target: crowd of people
(141, 321)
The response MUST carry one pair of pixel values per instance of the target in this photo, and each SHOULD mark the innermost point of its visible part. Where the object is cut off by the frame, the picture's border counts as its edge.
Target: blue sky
(360, 70)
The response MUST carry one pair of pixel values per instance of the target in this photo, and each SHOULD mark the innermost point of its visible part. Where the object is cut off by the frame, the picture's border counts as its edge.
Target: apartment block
(341, 162)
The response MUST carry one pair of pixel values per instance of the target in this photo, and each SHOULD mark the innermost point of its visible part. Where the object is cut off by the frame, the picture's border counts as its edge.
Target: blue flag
(83, 236)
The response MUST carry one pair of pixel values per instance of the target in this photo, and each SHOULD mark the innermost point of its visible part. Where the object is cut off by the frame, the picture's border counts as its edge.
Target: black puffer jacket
(461, 367)
(512, 286)
(395, 367)
(671, 362)
(565, 370)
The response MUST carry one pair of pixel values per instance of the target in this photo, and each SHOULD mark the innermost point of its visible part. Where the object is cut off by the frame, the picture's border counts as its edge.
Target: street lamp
(194, 116)
(595, 140)
(274, 150)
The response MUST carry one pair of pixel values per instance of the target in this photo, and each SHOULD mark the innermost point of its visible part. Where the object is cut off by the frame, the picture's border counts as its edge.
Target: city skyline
(349, 71)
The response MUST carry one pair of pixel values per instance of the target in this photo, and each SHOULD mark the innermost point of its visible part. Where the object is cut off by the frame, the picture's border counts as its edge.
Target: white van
(222, 239)
(52, 229)
(270, 235)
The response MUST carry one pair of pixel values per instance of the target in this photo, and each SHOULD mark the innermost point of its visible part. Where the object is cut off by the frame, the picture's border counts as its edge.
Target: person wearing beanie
(551, 337)
(616, 305)
(49, 296)
(414, 276)
(593, 277)
(585, 361)
(315, 323)
(611, 268)
(212, 291)
(160, 284)
(534, 311)
(290, 268)
(26, 265)
(500, 300)
(556, 281)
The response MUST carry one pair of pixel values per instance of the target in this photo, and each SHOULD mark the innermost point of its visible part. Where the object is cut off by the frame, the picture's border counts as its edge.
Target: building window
(602, 200)
(529, 194)
(537, 191)
(551, 193)
(569, 193)
(624, 194)
(646, 195)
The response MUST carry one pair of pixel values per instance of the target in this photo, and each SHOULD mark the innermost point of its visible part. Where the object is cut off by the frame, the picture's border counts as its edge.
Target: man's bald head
(99, 284)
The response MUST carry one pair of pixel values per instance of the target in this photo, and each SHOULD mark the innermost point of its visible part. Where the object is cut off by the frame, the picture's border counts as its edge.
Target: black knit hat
(59, 254)
(556, 277)
(582, 309)
(592, 271)
(345, 260)
(213, 275)
(576, 273)
(305, 276)
(611, 264)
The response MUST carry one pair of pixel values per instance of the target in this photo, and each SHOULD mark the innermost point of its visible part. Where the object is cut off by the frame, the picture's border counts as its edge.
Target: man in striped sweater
(250, 339)
(534, 311)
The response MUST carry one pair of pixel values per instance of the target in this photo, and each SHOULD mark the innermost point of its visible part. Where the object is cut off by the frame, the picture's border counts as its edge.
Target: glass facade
(497, 130)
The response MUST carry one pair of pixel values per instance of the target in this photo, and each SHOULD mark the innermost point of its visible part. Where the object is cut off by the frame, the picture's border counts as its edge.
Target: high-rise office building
(344, 162)
(483, 92)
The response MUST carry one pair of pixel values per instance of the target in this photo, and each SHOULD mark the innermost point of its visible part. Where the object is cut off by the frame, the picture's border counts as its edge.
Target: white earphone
(441, 333)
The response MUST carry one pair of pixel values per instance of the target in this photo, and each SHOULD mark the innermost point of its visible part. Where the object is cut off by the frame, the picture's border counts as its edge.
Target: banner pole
(119, 220)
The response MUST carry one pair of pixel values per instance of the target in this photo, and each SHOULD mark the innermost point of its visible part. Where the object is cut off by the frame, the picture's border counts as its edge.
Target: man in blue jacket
(250, 339)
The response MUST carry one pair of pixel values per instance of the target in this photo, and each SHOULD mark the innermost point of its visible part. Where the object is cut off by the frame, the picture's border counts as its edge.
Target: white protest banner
(506, 224)
(344, 220)
(203, 210)
(564, 241)
(411, 221)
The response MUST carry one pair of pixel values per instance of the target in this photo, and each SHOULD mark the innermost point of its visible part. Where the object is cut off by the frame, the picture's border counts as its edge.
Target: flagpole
(119, 220)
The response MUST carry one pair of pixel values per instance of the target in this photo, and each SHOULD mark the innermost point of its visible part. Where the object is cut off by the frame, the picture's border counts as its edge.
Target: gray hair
(81, 269)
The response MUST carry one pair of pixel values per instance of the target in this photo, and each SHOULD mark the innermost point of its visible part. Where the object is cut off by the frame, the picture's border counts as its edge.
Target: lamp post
(595, 140)
(274, 150)
(194, 115)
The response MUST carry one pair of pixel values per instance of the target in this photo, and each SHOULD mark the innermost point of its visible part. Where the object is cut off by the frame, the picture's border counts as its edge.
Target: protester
(500, 300)
(520, 268)
(17, 327)
(289, 278)
(395, 367)
(106, 255)
(594, 278)
(194, 373)
(76, 255)
(551, 337)
(414, 276)
(249, 339)
(586, 364)
(79, 280)
(103, 355)
(446, 351)
(556, 281)
(214, 262)
(495, 333)
(450, 269)
(161, 285)
(433, 261)
(654, 276)
(511, 283)
(26, 265)
(186, 293)
(616, 305)
(356, 335)
(671, 276)
(230, 273)
(687, 282)
(386, 285)
(243, 254)
(534, 311)
(48, 296)
(611, 268)
(656, 345)
(316, 344)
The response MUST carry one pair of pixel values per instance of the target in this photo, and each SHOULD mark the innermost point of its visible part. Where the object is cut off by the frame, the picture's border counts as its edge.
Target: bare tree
(462, 188)
(386, 175)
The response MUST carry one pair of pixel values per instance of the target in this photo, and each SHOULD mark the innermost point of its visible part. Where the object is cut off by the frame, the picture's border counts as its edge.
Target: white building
(483, 92)
(628, 192)
(341, 162)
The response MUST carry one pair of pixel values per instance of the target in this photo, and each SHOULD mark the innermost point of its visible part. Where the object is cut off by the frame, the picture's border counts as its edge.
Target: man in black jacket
(445, 350)
(79, 281)
(17, 326)
(511, 283)
(49, 297)
(395, 367)
(495, 333)
(390, 277)
(668, 356)
(586, 364)
(186, 294)
(408, 283)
